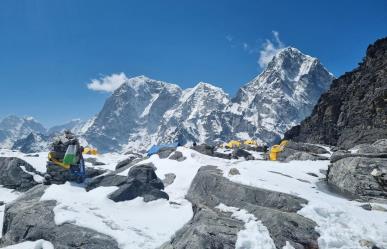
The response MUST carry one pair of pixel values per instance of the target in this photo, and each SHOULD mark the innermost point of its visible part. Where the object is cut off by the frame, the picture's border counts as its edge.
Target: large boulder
(17, 174)
(356, 174)
(29, 219)
(142, 181)
(211, 228)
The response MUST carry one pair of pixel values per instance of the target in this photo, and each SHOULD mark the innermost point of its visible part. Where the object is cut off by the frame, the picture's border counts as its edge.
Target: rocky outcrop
(212, 228)
(302, 152)
(29, 219)
(17, 174)
(359, 171)
(354, 110)
(142, 181)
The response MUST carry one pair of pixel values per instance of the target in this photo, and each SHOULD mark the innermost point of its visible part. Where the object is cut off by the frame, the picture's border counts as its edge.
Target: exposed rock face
(16, 174)
(211, 228)
(354, 110)
(361, 174)
(142, 181)
(28, 218)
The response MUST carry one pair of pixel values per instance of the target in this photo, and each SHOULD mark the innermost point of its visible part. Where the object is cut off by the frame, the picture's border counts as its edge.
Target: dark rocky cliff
(354, 110)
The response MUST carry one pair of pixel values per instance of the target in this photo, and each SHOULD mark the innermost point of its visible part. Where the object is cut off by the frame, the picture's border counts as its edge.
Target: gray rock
(211, 228)
(306, 147)
(125, 164)
(107, 180)
(234, 171)
(353, 174)
(165, 152)
(29, 219)
(13, 176)
(178, 156)
(2, 203)
(367, 207)
(142, 181)
(289, 154)
(242, 153)
(169, 179)
(204, 149)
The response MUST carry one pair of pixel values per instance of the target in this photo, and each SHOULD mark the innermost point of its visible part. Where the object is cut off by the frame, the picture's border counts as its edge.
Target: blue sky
(50, 50)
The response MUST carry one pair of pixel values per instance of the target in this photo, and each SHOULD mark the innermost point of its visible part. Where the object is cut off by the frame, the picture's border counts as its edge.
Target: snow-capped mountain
(76, 126)
(13, 128)
(196, 116)
(34, 142)
(282, 95)
(143, 111)
(133, 113)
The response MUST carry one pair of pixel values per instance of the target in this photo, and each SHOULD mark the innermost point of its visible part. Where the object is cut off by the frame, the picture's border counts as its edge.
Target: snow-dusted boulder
(361, 171)
(211, 227)
(17, 174)
(142, 181)
(29, 219)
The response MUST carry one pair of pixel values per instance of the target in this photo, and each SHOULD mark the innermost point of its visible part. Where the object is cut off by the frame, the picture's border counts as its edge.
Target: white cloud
(269, 49)
(229, 38)
(107, 83)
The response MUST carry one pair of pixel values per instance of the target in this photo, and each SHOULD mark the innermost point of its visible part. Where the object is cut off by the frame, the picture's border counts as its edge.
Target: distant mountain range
(144, 111)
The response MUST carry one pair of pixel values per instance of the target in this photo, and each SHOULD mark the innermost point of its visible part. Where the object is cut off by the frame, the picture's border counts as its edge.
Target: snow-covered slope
(341, 223)
(13, 128)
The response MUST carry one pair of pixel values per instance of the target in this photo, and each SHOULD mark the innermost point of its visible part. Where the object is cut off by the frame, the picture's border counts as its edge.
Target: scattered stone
(367, 244)
(204, 149)
(2, 203)
(302, 180)
(279, 173)
(242, 153)
(312, 174)
(169, 179)
(142, 181)
(234, 171)
(367, 207)
(32, 155)
(107, 180)
(178, 156)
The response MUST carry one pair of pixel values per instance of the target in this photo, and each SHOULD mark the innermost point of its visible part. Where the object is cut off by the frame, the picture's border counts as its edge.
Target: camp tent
(276, 149)
(250, 142)
(233, 144)
(90, 151)
(156, 148)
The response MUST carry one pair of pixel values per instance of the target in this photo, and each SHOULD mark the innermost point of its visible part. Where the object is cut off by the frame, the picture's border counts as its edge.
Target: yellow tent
(233, 144)
(250, 142)
(90, 151)
(276, 149)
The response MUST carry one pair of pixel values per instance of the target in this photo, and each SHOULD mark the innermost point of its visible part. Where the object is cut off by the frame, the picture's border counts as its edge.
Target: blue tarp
(156, 148)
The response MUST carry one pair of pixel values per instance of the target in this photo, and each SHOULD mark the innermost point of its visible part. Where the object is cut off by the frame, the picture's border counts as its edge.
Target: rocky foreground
(314, 197)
